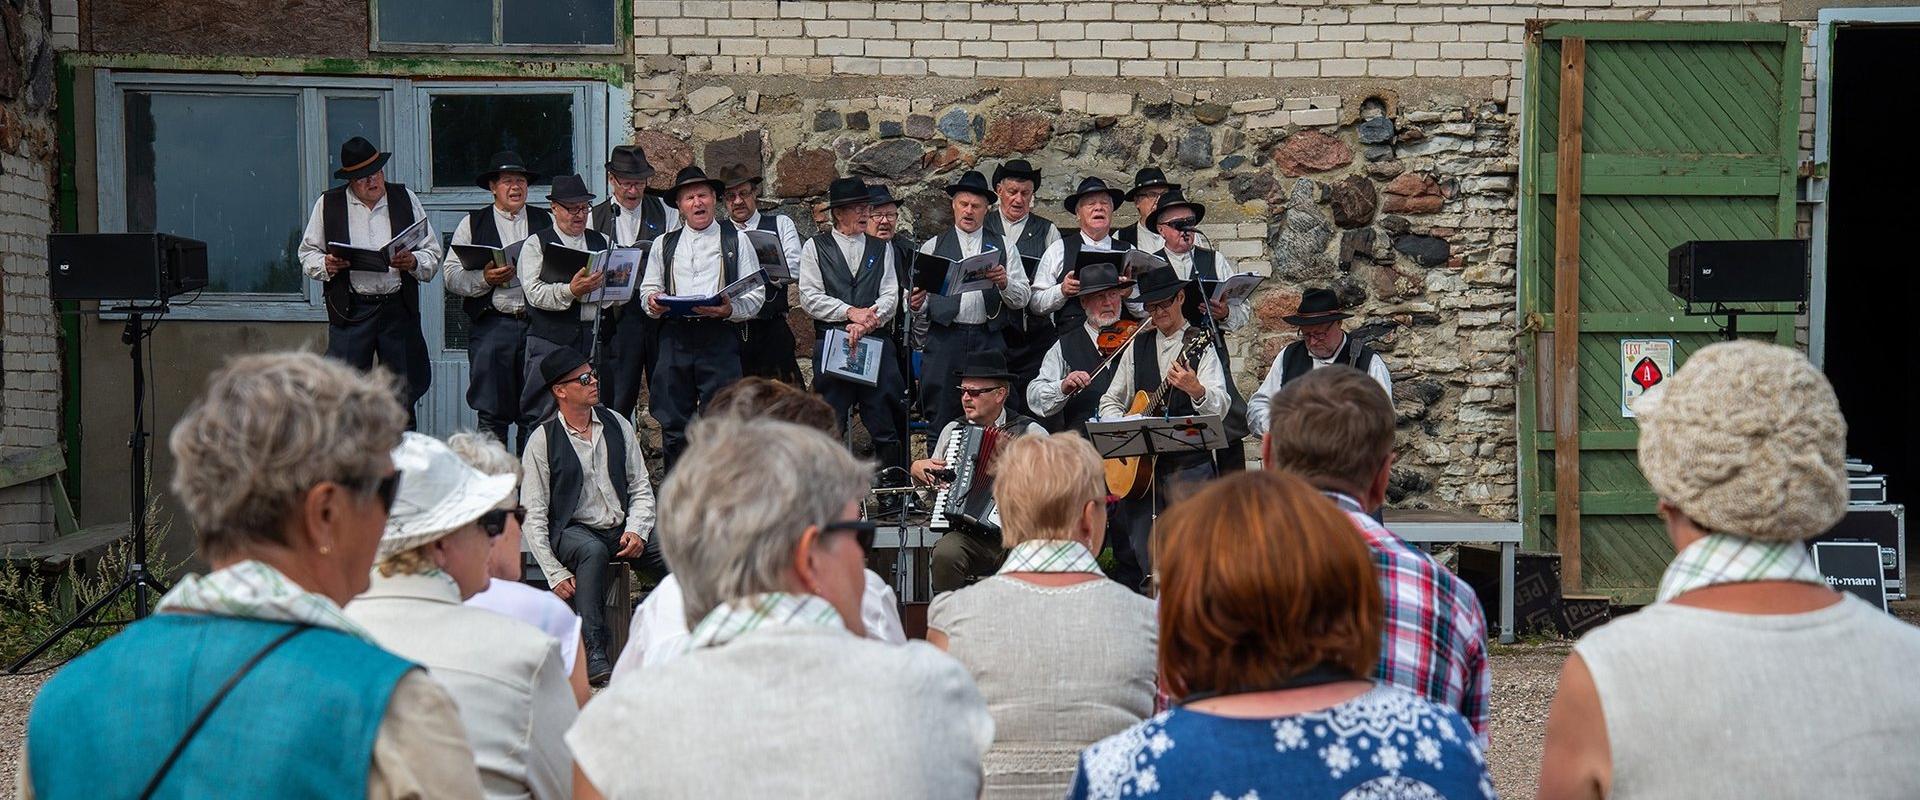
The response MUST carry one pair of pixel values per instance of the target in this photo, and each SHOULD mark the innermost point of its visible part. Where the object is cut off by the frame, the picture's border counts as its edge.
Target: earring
(326, 549)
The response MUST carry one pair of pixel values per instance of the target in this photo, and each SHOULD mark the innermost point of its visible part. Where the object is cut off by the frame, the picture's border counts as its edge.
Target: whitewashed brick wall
(29, 349)
(66, 24)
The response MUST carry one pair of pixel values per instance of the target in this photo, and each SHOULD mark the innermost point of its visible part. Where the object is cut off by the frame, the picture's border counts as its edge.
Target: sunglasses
(976, 391)
(386, 489)
(587, 378)
(862, 530)
(494, 522)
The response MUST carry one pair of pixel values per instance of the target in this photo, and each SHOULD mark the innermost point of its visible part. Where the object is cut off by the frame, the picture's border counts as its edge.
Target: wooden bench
(70, 543)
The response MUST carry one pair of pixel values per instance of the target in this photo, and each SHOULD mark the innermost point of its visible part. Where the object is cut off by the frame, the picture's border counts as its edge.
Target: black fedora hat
(1147, 178)
(984, 364)
(1158, 284)
(848, 191)
(569, 189)
(555, 365)
(359, 158)
(1317, 306)
(1017, 169)
(1176, 199)
(735, 174)
(879, 195)
(1091, 186)
(504, 161)
(628, 162)
(972, 181)
(693, 175)
(1101, 277)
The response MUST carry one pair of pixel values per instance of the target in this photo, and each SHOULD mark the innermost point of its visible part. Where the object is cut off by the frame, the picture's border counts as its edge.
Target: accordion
(966, 502)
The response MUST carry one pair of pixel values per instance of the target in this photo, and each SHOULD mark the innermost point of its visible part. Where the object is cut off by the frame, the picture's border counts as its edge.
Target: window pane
(224, 169)
(469, 128)
(348, 117)
(557, 21)
(437, 21)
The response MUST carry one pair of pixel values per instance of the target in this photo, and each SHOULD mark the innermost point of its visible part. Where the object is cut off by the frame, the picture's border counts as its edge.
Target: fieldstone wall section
(29, 349)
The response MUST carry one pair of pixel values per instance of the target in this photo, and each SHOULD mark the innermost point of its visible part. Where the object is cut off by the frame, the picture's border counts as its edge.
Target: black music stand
(1153, 436)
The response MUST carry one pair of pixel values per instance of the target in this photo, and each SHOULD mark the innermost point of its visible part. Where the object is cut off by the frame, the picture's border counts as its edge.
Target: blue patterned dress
(1386, 744)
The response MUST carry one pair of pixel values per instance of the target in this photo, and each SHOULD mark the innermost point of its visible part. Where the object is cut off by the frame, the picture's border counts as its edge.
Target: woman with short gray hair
(778, 694)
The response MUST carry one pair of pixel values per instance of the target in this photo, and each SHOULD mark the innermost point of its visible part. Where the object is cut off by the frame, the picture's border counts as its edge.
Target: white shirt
(658, 633)
(473, 283)
(1047, 297)
(789, 237)
(822, 306)
(1043, 392)
(598, 506)
(1148, 239)
(1120, 392)
(1238, 313)
(371, 228)
(1258, 405)
(697, 269)
(543, 610)
(626, 221)
(973, 305)
(555, 296)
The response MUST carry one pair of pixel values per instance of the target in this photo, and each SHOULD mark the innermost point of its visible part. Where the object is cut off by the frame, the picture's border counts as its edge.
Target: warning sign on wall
(1644, 364)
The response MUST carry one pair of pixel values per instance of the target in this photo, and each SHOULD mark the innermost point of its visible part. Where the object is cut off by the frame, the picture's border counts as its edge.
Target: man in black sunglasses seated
(965, 555)
(588, 502)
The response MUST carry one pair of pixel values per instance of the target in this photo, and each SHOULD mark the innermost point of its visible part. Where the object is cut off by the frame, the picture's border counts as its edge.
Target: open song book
(380, 259)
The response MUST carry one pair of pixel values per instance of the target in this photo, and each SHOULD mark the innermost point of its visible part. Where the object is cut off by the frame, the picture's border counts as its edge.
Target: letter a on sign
(1644, 364)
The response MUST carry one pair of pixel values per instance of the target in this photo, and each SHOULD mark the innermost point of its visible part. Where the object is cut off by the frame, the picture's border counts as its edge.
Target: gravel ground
(16, 696)
(1524, 677)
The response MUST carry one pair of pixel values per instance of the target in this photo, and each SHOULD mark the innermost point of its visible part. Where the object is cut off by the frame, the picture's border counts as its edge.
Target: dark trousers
(1173, 480)
(536, 402)
(947, 346)
(697, 359)
(768, 352)
(962, 558)
(1026, 348)
(882, 406)
(633, 347)
(496, 357)
(588, 553)
(390, 330)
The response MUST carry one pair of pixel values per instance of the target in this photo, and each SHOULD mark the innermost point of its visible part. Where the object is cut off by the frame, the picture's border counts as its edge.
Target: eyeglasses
(1162, 305)
(494, 522)
(976, 391)
(862, 530)
(386, 489)
(572, 209)
(883, 215)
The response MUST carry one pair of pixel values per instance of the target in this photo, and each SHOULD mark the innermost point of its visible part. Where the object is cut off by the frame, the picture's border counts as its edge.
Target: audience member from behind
(1269, 629)
(1334, 427)
(505, 594)
(283, 469)
(506, 676)
(1064, 656)
(658, 633)
(1747, 677)
(779, 696)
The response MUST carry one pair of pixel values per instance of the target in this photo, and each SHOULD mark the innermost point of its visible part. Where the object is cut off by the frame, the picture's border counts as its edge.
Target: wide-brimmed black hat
(848, 191)
(693, 175)
(1147, 178)
(1017, 169)
(359, 158)
(879, 195)
(558, 363)
(569, 189)
(1101, 277)
(984, 364)
(1317, 306)
(504, 161)
(1091, 186)
(628, 162)
(1158, 284)
(972, 181)
(1172, 200)
(735, 174)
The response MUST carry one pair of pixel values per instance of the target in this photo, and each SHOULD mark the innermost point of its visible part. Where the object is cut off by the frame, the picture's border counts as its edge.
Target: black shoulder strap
(671, 241)
(200, 719)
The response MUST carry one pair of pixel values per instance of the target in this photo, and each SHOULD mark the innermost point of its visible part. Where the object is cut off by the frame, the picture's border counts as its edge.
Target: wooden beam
(1566, 312)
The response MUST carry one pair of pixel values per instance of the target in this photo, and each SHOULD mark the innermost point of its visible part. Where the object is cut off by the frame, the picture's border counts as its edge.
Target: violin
(1115, 336)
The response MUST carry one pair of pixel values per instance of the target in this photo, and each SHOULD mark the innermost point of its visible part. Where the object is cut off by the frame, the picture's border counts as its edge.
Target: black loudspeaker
(1746, 271)
(124, 266)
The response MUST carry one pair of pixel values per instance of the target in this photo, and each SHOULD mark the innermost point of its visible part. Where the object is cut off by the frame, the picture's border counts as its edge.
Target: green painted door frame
(1689, 131)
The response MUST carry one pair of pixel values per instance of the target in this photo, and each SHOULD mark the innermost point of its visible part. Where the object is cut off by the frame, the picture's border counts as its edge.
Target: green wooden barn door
(1688, 132)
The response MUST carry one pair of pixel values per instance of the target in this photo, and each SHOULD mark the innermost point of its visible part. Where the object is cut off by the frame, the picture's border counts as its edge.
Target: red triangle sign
(1646, 373)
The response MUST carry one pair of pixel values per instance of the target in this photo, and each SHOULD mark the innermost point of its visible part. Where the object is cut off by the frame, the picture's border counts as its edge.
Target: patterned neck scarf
(253, 590)
(1720, 558)
(733, 620)
(1050, 555)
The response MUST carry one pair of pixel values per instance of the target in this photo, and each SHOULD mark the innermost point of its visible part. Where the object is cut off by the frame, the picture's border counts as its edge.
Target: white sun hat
(438, 494)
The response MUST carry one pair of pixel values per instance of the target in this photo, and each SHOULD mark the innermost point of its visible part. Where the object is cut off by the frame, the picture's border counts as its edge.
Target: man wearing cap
(1149, 185)
(1174, 220)
(1014, 183)
(495, 303)
(699, 355)
(974, 321)
(1321, 342)
(372, 312)
(1071, 382)
(631, 218)
(1198, 386)
(1056, 287)
(584, 486)
(768, 352)
(557, 316)
(847, 281)
(963, 557)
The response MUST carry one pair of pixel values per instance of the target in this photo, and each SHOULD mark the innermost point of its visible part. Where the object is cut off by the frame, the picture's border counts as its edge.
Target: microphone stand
(902, 560)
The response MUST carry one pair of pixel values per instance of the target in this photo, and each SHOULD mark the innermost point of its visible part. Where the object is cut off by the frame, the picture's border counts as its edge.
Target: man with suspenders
(556, 315)
(768, 352)
(630, 218)
(495, 303)
(1014, 184)
(974, 321)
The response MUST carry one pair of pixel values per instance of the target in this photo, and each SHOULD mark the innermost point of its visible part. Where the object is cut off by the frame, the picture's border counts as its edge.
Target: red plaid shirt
(1434, 640)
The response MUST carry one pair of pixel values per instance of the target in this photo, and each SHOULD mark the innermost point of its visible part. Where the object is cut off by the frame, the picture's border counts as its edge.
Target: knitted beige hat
(1747, 438)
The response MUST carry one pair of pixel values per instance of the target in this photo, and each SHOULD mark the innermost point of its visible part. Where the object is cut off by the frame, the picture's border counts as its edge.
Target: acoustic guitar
(1132, 476)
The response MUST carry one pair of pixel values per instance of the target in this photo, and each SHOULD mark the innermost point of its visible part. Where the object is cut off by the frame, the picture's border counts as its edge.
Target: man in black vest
(964, 557)
(699, 353)
(768, 352)
(971, 322)
(1014, 183)
(373, 311)
(847, 281)
(1197, 386)
(587, 499)
(909, 329)
(1066, 389)
(496, 305)
(1056, 288)
(1149, 185)
(1175, 219)
(1322, 342)
(556, 315)
(630, 218)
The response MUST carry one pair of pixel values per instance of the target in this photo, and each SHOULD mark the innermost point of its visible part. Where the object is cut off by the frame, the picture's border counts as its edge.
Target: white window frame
(498, 45)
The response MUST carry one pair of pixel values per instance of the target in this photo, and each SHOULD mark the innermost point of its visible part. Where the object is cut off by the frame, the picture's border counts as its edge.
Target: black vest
(1146, 378)
(944, 309)
(1081, 355)
(566, 478)
(729, 254)
(1033, 238)
(563, 326)
(1204, 269)
(1072, 313)
(1129, 234)
(1295, 361)
(776, 305)
(838, 281)
(338, 290)
(486, 233)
